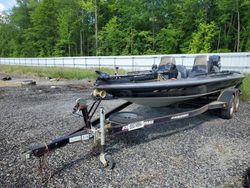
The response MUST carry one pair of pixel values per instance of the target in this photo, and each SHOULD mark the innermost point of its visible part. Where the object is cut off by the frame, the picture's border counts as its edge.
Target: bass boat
(169, 83)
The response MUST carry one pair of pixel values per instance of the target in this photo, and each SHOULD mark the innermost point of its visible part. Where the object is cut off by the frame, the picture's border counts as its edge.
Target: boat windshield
(200, 64)
(166, 63)
(167, 60)
(205, 64)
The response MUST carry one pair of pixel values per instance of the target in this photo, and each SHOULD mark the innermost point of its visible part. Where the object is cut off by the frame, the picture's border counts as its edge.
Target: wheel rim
(231, 110)
(237, 102)
(232, 106)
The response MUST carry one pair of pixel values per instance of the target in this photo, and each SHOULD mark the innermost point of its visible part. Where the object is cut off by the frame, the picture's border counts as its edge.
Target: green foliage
(38, 28)
(168, 40)
(202, 40)
(111, 38)
(245, 88)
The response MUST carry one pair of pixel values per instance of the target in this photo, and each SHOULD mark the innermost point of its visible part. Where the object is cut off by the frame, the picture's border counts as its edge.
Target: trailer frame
(99, 128)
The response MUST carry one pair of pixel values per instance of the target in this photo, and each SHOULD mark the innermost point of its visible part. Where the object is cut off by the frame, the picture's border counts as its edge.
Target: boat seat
(198, 69)
(182, 70)
(168, 70)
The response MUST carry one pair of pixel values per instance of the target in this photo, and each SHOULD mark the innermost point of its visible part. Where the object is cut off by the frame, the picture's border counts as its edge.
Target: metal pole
(133, 66)
(99, 61)
(102, 128)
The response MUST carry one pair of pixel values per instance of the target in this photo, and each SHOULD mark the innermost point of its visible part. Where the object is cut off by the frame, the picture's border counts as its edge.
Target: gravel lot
(204, 151)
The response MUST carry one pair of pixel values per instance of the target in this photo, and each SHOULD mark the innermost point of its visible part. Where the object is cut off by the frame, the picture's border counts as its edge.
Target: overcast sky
(6, 4)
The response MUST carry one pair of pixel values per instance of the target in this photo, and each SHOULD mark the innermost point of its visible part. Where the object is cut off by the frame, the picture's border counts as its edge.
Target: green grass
(245, 88)
(55, 72)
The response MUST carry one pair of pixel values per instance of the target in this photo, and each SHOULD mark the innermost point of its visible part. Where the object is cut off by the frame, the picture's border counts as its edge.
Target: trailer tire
(228, 112)
(246, 179)
(125, 117)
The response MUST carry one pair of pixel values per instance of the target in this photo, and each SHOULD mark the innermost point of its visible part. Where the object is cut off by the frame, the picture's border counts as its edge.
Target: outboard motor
(154, 67)
(214, 63)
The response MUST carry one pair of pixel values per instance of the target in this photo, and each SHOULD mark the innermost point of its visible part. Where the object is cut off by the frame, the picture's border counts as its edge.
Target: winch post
(103, 155)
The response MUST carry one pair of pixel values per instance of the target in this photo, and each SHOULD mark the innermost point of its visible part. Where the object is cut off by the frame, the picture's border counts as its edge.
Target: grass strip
(245, 88)
(55, 72)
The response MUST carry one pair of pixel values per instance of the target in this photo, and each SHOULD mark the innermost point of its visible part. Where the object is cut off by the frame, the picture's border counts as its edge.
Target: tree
(124, 27)
(42, 34)
(203, 39)
(167, 40)
(111, 38)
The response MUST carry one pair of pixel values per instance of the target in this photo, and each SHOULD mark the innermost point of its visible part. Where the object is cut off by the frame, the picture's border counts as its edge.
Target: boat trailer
(114, 123)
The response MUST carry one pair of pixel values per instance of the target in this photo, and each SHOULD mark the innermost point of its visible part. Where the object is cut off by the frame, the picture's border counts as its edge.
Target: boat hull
(166, 92)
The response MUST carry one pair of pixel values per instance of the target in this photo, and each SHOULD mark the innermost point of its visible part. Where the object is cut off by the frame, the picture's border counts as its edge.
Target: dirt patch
(18, 80)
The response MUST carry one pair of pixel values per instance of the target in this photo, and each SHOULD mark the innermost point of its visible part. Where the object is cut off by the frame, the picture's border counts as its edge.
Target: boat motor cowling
(214, 63)
(102, 75)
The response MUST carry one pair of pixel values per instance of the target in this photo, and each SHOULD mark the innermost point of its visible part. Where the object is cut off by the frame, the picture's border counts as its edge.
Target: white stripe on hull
(163, 101)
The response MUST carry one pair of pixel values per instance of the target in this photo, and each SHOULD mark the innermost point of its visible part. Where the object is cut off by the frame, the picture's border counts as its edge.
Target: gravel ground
(205, 151)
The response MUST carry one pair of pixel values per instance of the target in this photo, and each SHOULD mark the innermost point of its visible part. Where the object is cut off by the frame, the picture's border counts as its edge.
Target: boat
(169, 83)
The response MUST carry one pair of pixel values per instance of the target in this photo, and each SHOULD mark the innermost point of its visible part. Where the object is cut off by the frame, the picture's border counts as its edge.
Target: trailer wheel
(125, 117)
(246, 179)
(228, 112)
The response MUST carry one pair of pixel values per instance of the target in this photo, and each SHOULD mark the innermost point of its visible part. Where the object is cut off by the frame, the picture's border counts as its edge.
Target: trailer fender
(231, 98)
(226, 95)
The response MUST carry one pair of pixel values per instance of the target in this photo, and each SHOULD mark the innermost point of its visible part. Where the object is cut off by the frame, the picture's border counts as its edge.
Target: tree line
(42, 28)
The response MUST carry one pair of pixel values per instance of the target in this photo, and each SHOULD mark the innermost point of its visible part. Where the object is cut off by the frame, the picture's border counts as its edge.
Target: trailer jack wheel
(107, 161)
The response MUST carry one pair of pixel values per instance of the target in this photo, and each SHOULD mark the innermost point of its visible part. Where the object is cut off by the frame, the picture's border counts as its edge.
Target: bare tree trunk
(87, 45)
(238, 30)
(81, 43)
(154, 33)
(96, 29)
(69, 49)
(218, 44)
(235, 46)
